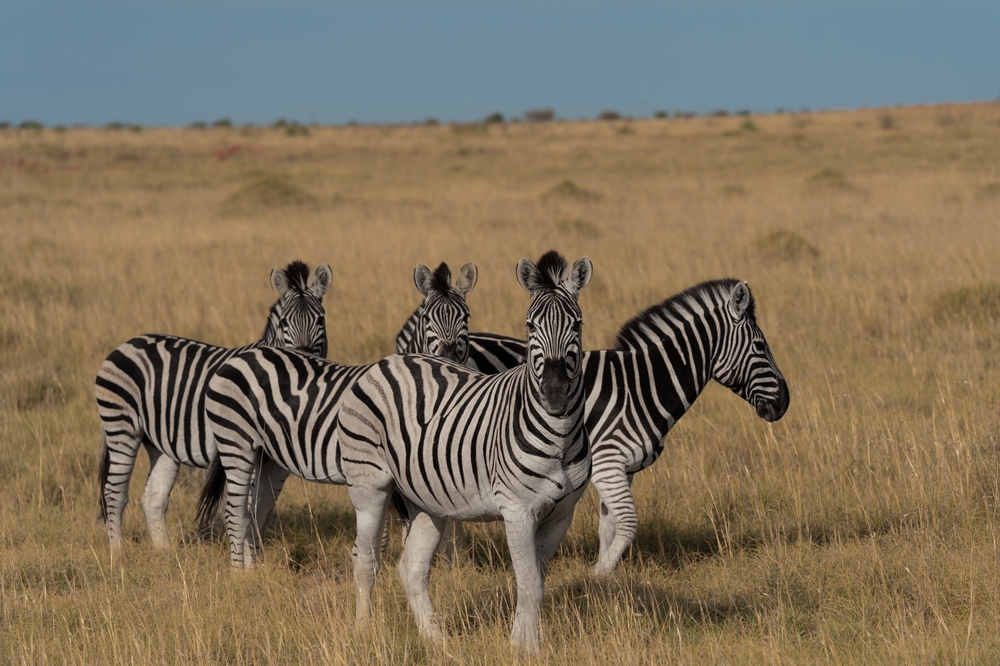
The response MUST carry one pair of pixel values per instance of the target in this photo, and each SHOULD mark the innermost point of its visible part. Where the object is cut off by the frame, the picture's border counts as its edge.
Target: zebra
(151, 393)
(450, 443)
(273, 413)
(662, 360)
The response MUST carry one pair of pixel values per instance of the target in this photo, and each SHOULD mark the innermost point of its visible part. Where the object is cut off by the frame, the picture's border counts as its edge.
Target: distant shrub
(579, 227)
(295, 129)
(609, 115)
(469, 128)
(886, 121)
(720, 113)
(830, 179)
(989, 190)
(780, 110)
(539, 115)
(493, 118)
(660, 113)
(223, 122)
(279, 123)
(30, 125)
(743, 112)
(684, 114)
(568, 190)
(748, 126)
(4, 124)
(782, 245)
(432, 121)
(59, 128)
(114, 126)
(977, 303)
(269, 193)
(198, 125)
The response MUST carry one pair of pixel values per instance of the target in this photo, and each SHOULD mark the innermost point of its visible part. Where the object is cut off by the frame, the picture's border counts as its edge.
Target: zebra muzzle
(772, 410)
(555, 386)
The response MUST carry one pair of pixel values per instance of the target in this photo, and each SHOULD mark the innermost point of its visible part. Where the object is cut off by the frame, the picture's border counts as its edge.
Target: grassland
(861, 528)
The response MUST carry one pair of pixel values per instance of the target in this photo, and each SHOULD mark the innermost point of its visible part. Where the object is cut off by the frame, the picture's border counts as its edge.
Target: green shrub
(977, 303)
(493, 118)
(223, 122)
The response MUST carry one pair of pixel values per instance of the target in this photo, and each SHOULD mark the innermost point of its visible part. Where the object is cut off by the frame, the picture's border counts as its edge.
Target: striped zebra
(274, 412)
(451, 443)
(151, 393)
(662, 360)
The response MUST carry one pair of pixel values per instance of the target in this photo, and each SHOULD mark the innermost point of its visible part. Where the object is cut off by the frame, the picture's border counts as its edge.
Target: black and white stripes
(151, 393)
(457, 444)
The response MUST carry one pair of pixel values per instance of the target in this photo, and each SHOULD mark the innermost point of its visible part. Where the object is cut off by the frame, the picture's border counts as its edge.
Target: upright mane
(298, 275)
(549, 271)
(441, 278)
(631, 330)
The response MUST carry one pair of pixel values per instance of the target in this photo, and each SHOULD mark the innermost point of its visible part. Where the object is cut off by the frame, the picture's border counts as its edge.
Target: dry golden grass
(861, 528)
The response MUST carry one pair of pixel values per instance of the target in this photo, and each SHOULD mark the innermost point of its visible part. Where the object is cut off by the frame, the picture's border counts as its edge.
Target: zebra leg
(551, 531)
(268, 480)
(162, 474)
(525, 634)
(414, 570)
(618, 520)
(239, 473)
(370, 503)
(453, 542)
(116, 472)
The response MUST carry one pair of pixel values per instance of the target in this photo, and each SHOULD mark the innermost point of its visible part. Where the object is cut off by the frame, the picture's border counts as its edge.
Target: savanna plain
(861, 528)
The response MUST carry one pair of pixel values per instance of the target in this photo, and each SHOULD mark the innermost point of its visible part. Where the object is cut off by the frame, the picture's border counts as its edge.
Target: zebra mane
(549, 271)
(630, 331)
(298, 275)
(441, 279)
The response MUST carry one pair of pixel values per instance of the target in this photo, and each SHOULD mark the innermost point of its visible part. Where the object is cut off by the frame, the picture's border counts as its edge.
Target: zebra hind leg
(370, 504)
(453, 544)
(162, 474)
(620, 522)
(269, 479)
(119, 449)
(414, 570)
(239, 471)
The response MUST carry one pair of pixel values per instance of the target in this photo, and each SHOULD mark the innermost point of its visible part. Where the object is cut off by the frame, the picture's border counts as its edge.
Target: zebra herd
(454, 427)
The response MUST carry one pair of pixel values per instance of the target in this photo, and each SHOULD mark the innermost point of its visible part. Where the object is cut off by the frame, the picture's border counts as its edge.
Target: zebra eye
(578, 326)
(531, 327)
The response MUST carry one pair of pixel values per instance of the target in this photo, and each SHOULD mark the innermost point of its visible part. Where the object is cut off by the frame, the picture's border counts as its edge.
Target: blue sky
(171, 63)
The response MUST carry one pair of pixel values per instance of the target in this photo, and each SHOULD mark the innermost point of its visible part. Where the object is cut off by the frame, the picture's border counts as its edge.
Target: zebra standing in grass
(274, 412)
(662, 360)
(454, 443)
(151, 393)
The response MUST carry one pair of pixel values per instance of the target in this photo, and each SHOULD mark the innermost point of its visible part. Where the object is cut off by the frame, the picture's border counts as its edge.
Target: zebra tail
(211, 493)
(399, 505)
(103, 471)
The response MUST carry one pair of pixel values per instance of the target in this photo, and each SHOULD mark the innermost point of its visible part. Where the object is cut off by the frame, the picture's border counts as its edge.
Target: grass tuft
(783, 245)
(582, 228)
(268, 193)
(978, 303)
(567, 190)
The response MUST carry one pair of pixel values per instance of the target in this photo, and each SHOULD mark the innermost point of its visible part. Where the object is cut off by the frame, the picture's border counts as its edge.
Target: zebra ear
(423, 278)
(467, 278)
(527, 275)
(580, 276)
(322, 279)
(739, 300)
(279, 281)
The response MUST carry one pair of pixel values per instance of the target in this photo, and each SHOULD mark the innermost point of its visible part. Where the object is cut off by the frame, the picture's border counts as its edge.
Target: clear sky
(170, 63)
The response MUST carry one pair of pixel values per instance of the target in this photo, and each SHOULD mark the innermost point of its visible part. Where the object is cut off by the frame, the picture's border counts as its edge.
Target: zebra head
(442, 320)
(554, 323)
(298, 320)
(743, 361)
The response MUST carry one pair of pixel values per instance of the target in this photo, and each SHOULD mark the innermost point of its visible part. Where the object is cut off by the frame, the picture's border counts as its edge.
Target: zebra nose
(450, 352)
(555, 386)
(774, 410)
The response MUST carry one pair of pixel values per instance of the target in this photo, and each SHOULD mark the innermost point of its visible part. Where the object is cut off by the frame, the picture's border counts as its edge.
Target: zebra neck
(676, 376)
(557, 435)
(404, 339)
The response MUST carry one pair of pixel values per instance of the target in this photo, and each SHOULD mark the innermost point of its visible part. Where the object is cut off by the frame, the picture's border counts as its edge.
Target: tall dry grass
(861, 528)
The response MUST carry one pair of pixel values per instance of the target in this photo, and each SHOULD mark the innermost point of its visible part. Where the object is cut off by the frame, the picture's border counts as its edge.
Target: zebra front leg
(525, 634)
(621, 520)
(414, 569)
(370, 503)
(162, 474)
